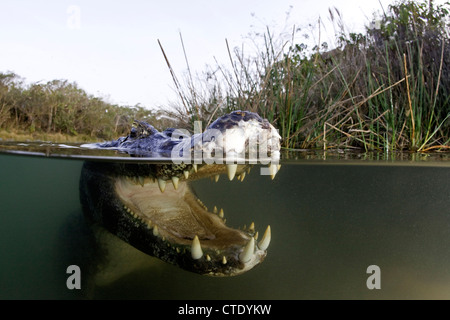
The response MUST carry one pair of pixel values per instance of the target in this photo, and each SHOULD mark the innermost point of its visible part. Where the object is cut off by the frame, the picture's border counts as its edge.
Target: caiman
(152, 206)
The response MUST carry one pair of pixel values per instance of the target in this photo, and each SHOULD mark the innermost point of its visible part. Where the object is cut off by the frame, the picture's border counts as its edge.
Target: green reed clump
(413, 40)
(385, 89)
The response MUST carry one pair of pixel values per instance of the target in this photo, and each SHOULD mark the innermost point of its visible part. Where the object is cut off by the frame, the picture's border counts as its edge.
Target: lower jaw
(191, 253)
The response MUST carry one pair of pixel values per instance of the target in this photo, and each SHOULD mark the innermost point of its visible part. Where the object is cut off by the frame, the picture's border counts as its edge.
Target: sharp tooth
(251, 228)
(216, 177)
(195, 167)
(256, 235)
(215, 210)
(247, 253)
(221, 215)
(231, 168)
(264, 243)
(242, 176)
(273, 170)
(162, 184)
(208, 258)
(224, 260)
(186, 174)
(155, 231)
(196, 249)
(141, 180)
(175, 182)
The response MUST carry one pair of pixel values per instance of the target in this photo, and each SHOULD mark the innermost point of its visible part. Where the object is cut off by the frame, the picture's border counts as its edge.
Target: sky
(110, 48)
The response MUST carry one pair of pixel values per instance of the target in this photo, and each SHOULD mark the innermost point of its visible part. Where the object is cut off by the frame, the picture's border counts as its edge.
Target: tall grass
(386, 89)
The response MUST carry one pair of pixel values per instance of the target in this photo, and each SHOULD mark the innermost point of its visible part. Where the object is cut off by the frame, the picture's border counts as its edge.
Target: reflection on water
(87, 152)
(329, 223)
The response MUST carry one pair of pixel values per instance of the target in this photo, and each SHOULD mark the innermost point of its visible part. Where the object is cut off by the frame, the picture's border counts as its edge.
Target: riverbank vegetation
(387, 88)
(61, 111)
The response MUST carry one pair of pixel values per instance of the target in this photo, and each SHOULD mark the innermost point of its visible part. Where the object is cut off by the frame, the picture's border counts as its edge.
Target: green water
(329, 223)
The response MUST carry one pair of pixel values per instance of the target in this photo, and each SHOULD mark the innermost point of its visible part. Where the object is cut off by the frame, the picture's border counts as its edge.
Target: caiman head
(152, 206)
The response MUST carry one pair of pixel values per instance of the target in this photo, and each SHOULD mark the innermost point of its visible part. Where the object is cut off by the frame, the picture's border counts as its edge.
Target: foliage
(385, 89)
(62, 107)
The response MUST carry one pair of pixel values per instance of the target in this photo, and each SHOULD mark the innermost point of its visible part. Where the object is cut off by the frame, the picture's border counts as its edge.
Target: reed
(387, 89)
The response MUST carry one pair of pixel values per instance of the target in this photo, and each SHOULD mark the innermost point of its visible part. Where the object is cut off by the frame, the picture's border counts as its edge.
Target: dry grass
(38, 136)
(387, 89)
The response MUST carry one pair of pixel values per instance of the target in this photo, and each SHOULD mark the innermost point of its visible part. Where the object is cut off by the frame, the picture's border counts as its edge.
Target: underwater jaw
(180, 229)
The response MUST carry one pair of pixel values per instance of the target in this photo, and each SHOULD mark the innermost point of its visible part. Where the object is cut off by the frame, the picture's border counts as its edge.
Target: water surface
(332, 215)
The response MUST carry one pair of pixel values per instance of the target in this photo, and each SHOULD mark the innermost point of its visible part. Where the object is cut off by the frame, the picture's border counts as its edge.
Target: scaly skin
(153, 208)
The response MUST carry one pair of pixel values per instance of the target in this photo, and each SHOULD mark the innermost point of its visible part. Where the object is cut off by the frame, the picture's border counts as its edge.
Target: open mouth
(166, 206)
(153, 208)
